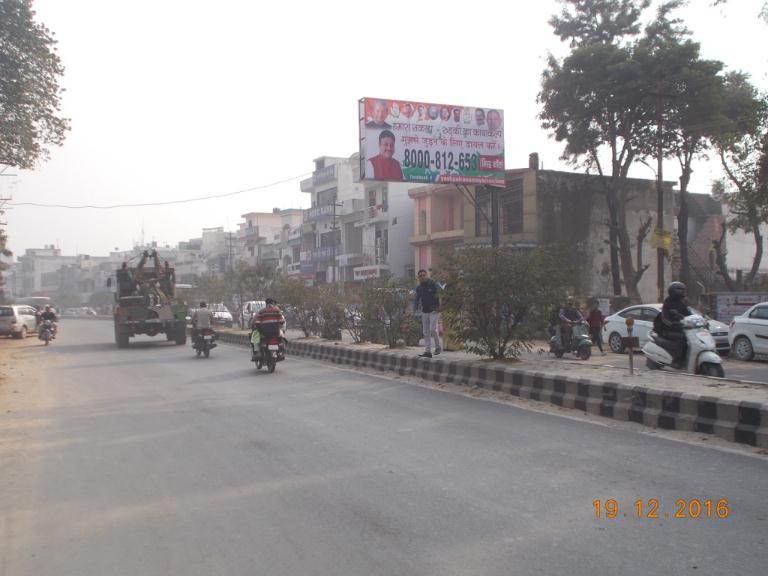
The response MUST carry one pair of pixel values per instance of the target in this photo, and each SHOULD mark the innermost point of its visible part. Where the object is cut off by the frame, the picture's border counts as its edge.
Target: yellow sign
(661, 239)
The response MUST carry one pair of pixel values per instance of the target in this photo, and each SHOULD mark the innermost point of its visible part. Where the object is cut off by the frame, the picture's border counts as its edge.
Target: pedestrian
(595, 319)
(429, 303)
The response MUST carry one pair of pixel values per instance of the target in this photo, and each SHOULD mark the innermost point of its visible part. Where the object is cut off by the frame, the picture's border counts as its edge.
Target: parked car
(221, 314)
(615, 327)
(18, 321)
(249, 310)
(749, 332)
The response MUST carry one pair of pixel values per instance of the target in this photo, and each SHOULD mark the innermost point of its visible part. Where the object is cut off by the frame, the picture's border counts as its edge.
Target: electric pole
(659, 196)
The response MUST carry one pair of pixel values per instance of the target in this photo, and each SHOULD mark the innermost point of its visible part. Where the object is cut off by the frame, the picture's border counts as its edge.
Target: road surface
(148, 461)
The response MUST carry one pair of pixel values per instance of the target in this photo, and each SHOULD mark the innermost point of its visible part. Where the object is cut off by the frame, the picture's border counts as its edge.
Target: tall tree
(596, 101)
(29, 87)
(689, 93)
(741, 141)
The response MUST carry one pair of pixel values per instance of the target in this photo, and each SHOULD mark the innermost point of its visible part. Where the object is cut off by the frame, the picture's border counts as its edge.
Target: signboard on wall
(406, 141)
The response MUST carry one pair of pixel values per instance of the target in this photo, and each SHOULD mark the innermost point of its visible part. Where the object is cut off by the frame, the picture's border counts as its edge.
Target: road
(148, 461)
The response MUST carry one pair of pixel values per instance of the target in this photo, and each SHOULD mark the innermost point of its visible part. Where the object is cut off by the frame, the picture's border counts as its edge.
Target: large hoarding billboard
(406, 141)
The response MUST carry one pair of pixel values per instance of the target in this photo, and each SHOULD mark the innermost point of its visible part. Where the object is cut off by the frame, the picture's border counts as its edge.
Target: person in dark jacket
(668, 322)
(595, 319)
(429, 303)
(568, 316)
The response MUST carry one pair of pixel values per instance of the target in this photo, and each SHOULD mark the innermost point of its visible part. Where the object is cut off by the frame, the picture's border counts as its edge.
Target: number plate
(208, 337)
(274, 347)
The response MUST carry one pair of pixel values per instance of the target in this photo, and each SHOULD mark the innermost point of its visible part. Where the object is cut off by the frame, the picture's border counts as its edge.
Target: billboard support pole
(494, 217)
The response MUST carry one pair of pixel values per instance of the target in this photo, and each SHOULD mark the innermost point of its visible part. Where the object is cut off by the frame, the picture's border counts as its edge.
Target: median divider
(735, 421)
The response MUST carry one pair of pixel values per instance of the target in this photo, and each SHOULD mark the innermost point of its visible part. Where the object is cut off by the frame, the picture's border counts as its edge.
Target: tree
(689, 93)
(741, 141)
(386, 311)
(302, 303)
(29, 87)
(496, 299)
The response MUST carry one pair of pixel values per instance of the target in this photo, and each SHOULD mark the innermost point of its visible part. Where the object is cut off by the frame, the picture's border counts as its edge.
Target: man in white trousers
(428, 302)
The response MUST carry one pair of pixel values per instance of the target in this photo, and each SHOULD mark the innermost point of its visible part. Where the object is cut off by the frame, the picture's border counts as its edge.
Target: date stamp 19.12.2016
(653, 508)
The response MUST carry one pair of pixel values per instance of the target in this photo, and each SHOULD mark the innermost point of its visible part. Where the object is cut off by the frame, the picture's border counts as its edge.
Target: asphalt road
(148, 461)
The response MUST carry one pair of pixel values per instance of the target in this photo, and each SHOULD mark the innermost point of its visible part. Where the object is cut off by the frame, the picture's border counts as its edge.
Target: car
(221, 314)
(250, 308)
(749, 333)
(18, 321)
(615, 327)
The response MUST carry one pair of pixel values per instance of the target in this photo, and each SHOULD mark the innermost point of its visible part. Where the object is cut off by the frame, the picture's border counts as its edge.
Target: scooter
(580, 343)
(205, 342)
(701, 355)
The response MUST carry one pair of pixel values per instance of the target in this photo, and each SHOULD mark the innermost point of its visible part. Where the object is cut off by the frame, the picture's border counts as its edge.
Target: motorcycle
(271, 351)
(204, 342)
(701, 352)
(46, 331)
(580, 342)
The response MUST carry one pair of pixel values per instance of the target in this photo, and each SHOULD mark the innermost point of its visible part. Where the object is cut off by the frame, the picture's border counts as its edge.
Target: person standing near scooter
(595, 319)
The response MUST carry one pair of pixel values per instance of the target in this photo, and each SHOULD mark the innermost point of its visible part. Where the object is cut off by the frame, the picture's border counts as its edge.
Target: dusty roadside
(23, 410)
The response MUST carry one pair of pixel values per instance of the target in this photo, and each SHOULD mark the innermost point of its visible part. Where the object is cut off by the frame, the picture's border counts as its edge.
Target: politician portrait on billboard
(409, 141)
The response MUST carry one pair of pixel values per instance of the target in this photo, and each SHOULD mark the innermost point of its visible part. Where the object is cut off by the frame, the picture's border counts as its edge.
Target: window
(636, 313)
(760, 313)
(649, 314)
(482, 212)
(511, 204)
(326, 197)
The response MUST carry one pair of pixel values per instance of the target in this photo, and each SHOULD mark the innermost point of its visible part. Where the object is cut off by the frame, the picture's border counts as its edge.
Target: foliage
(302, 302)
(386, 306)
(210, 287)
(741, 142)
(29, 87)
(496, 299)
(331, 311)
(352, 317)
(597, 101)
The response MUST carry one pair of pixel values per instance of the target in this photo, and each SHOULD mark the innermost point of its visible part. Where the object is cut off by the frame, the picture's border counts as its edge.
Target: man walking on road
(429, 303)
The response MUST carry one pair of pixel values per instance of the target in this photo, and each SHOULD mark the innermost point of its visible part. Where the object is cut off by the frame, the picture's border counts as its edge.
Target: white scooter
(701, 355)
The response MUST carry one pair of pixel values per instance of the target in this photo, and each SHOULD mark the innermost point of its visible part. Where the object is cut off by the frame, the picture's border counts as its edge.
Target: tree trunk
(758, 253)
(625, 250)
(682, 227)
(721, 262)
(613, 239)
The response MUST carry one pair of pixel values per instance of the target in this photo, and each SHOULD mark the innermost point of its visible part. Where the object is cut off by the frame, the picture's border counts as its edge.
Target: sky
(178, 99)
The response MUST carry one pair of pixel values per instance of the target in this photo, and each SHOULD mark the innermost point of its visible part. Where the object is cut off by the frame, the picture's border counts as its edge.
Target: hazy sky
(176, 99)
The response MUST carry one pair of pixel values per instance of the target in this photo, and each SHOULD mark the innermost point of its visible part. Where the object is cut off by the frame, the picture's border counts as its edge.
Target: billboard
(406, 141)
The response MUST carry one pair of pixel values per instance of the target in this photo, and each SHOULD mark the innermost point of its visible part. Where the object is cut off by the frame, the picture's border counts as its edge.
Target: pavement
(150, 461)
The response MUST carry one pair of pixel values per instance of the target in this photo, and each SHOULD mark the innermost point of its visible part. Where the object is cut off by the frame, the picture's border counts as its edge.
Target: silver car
(18, 321)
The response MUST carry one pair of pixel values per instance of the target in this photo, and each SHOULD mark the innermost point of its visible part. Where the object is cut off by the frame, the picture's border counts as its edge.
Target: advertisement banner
(406, 141)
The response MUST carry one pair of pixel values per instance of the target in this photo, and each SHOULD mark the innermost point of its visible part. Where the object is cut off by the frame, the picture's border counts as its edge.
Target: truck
(146, 302)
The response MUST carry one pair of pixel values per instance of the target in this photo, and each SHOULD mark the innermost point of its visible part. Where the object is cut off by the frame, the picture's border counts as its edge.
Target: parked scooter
(45, 332)
(580, 342)
(204, 342)
(701, 353)
(271, 350)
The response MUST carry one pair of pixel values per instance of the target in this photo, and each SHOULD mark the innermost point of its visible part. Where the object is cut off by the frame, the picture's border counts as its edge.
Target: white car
(18, 321)
(249, 310)
(615, 327)
(749, 332)
(221, 314)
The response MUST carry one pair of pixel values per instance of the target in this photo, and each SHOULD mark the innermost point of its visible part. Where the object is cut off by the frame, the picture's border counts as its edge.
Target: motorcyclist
(568, 316)
(667, 323)
(201, 318)
(269, 321)
(48, 314)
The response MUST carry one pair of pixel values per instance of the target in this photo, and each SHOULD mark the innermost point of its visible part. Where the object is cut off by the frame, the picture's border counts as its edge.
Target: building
(539, 207)
(34, 270)
(354, 230)
(261, 234)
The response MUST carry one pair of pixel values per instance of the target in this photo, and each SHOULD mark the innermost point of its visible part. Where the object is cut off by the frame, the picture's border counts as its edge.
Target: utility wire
(166, 203)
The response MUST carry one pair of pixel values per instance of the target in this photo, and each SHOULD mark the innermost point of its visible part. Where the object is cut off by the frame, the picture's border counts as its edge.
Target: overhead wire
(164, 203)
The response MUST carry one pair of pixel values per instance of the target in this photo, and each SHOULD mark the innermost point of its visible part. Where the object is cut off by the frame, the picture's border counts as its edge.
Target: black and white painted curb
(743, 422)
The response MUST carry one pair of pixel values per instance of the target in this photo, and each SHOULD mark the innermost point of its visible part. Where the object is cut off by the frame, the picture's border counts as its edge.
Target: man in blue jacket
(428, 302)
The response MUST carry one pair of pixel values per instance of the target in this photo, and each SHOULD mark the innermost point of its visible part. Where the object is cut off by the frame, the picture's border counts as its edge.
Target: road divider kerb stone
(742, 422)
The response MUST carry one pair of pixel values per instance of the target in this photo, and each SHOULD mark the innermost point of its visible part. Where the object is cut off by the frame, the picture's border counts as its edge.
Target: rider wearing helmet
(668, 322)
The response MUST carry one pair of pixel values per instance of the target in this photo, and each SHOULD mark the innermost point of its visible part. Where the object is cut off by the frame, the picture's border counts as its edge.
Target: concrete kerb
(742, 422)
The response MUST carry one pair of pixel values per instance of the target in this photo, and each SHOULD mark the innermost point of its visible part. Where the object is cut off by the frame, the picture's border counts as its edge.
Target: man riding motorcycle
(48, 314)
(201, 318)
(667, 323)
(269, 321)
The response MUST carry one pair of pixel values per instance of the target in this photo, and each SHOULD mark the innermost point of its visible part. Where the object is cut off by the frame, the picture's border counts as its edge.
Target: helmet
(270, 301)
(203, 305)
(677, 290)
